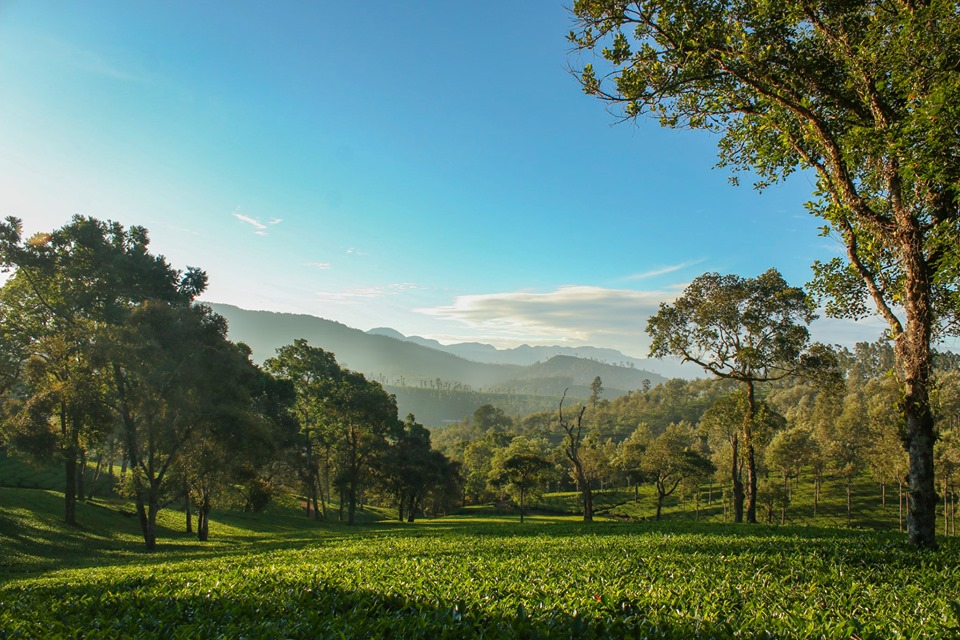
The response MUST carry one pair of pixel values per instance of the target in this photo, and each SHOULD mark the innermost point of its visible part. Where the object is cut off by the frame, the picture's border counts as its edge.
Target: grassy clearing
(478, 575)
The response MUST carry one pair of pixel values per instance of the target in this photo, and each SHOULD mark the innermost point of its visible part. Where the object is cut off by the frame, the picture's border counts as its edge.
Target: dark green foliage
(863, 95)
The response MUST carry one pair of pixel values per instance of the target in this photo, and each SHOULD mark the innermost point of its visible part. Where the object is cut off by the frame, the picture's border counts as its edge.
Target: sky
(429, 166)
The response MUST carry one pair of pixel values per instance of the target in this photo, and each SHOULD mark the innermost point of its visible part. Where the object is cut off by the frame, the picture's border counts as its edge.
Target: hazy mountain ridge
(400, 362)
(523, 355)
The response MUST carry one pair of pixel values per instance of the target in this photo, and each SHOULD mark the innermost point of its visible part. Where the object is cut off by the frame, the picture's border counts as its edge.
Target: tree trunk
(97, 472)
(913, 354)
(660, 499)
(737, 482)
(900, 499)
(946, 510)
(750, 454)
(849, 500)
(922, 506)
(817, 482)
(81, 490)
(587, 501)
(70, 469)
(412, 510)
(522, 492)
(188, 507)
(203, 524)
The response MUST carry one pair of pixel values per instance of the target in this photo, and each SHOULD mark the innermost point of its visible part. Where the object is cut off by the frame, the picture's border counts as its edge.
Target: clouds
(575, 314)
(260, 228)
(597, 316)
(364, 294)
(665, 270)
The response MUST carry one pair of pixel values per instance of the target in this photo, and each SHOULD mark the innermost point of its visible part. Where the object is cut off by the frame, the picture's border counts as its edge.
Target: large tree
(672, 458)
(750, 330)
(178, 382)
(313, 374)
(864, 95)
(68, 290)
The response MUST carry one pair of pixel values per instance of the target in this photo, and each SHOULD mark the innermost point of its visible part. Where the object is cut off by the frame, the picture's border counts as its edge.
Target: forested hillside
(437, 386)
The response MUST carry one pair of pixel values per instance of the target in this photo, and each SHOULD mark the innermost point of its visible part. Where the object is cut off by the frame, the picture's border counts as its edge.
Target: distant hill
(399, 363)
(525, 355)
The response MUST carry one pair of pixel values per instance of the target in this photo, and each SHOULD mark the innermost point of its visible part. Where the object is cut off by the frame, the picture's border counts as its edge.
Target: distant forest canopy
(113, 371)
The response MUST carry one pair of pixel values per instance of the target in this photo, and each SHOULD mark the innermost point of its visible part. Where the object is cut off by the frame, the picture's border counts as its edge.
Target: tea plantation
(283, 576)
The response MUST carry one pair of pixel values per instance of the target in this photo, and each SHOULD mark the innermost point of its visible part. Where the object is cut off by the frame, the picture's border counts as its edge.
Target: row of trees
(682, 435)
(107, 354)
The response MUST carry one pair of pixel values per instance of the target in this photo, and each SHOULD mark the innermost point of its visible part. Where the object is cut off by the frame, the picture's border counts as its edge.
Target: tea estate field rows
(469, 577)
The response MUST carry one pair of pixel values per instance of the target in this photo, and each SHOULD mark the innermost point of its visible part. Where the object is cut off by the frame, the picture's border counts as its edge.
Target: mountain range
(414, 363)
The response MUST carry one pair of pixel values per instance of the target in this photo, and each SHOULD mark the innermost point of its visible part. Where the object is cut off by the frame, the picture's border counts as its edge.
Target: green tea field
(468, 576)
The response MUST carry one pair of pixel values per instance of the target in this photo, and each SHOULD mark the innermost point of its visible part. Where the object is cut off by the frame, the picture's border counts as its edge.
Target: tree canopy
(863, 95)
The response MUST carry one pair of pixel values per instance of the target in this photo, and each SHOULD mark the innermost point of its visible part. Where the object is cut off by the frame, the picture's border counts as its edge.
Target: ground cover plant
(467, 576)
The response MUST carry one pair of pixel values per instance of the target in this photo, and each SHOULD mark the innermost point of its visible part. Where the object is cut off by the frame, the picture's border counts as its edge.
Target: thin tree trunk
(203, 526)
(900, 496)
(81, 471)
(737, 482)
(849, 500)
(97, 472)
(188, 507)
(946, 510)
(70, 469)
(750, 454)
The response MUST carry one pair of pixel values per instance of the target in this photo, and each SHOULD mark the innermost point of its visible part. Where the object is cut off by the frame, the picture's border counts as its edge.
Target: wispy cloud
(568, 314)
(318, 265)
(260, 228)
(352, 296)
(596, 316)
(661, 271)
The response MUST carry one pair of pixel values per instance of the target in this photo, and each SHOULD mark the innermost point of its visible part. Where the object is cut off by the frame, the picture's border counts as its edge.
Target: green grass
(477, 575)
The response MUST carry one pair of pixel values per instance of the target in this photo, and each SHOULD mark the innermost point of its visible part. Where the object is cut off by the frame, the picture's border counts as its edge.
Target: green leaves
(469, 580)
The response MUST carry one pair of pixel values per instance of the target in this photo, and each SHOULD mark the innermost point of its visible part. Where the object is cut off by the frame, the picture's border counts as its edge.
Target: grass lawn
(476, 575)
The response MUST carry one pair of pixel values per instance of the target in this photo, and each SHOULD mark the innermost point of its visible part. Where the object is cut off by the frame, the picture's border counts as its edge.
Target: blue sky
(429, 166)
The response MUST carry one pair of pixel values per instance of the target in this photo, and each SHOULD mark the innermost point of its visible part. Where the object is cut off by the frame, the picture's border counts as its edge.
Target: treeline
(107, 360)
(106, 356)
(681, 435)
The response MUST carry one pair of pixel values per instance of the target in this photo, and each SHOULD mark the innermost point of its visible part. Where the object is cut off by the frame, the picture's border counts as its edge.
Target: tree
(177, 381)
(520, 469)
(70, 288)
(789, 451)
(366, 417)
(575, 432)
(864, 96)
(411, 469)
(749, 330)
(671, 458)
(313, 373)
(596, 391)
(629, 457)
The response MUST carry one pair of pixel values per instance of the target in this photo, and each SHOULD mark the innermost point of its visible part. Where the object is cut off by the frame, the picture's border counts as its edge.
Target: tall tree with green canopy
(314, 374)
(68, 288)
(367, 418)
(864, 95)
(750, 330)
(178, 382)
(671, 458)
